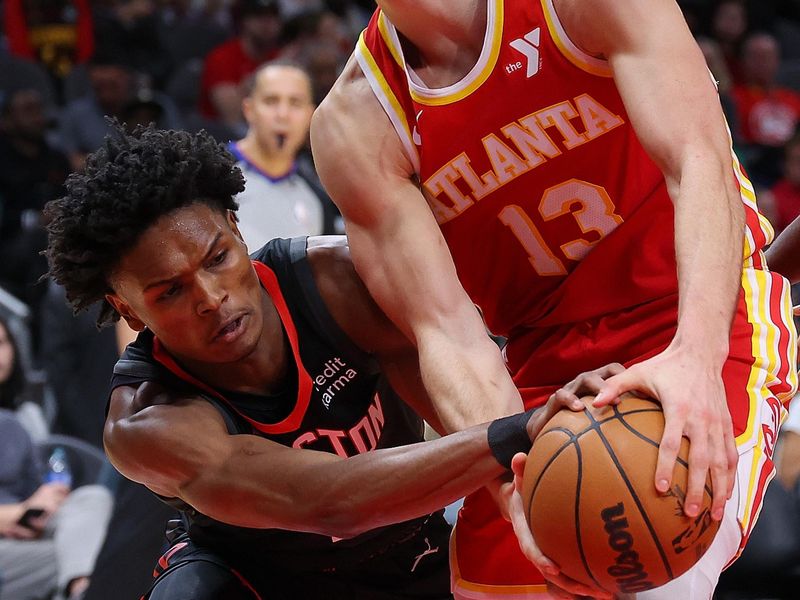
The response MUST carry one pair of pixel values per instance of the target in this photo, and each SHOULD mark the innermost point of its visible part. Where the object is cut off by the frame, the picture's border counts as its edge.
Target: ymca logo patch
(528, 46)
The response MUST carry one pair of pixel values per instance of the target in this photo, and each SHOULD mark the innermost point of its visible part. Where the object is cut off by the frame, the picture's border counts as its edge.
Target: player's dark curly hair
(129, 183)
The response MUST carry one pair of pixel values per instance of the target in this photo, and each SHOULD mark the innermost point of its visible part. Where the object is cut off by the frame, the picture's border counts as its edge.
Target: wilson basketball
(593, 507)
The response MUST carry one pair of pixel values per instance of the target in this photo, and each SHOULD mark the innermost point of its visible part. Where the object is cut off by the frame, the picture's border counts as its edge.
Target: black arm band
(509, 435)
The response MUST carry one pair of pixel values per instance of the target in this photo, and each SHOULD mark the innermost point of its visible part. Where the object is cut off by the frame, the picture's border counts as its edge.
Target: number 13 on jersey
(594, 212)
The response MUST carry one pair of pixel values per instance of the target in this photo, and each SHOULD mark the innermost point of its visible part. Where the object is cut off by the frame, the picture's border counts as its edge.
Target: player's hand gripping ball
(592, 505)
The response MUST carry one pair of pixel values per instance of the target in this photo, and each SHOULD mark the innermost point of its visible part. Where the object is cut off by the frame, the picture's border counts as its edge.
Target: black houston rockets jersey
(334, 400)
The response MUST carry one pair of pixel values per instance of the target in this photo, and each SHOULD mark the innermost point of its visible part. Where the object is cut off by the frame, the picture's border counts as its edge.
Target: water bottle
(58, 470)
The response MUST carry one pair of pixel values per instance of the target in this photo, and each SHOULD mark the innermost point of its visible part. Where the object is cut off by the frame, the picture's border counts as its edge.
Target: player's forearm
(380, 488)
(465, 377)
(316, 492)
(783, 256)
(709, 234)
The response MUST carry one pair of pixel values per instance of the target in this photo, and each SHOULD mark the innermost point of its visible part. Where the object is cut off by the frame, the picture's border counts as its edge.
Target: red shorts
(759, 376)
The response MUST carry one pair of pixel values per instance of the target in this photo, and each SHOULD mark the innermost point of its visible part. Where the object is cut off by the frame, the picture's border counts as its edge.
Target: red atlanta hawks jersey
(551, 208)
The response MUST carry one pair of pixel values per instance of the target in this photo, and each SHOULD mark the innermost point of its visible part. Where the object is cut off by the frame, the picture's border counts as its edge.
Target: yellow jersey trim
(579, 58)
(471, 81)
(391, 105)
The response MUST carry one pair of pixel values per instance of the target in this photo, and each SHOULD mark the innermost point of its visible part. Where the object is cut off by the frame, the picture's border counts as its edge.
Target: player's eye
(171, 292)
(219, 258)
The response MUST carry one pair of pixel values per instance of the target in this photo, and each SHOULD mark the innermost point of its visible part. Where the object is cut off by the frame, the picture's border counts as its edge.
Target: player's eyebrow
(167, 280)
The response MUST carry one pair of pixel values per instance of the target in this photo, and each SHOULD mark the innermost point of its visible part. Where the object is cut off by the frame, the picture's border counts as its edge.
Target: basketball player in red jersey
(568, 162)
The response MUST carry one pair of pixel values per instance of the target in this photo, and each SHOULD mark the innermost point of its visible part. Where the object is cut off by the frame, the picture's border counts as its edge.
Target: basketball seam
(574, 437)
(586, 567)
(655, 444)
(635, 498)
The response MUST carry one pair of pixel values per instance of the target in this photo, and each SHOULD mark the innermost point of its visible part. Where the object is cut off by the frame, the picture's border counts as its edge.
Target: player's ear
(125, 312)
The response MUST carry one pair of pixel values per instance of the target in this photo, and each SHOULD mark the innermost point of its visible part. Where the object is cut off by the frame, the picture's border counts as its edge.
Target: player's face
(279, 109)
(189, 280)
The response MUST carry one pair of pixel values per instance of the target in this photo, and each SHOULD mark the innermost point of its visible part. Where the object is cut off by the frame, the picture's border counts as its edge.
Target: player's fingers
(564, 397)
(610, 370)
(519, 521)
(699, 463)
(526, 542)
(557, 592)
(518, 469)
(573, 588)
(796, 310)
(667, 452)
(613, 387)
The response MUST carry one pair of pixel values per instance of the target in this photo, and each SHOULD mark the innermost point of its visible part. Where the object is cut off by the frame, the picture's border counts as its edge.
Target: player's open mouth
(231, 331)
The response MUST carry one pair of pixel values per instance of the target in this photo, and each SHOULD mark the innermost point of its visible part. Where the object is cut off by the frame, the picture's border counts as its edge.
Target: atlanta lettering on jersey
(360, 438)
(533, 138)
(326, 383)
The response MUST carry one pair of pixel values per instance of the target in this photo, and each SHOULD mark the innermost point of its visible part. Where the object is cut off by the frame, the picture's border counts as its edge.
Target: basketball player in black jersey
(259, 397)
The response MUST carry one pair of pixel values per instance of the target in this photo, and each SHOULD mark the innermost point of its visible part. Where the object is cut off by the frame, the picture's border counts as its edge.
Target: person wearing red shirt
(227, 65)
(565, 165)
(768, 113)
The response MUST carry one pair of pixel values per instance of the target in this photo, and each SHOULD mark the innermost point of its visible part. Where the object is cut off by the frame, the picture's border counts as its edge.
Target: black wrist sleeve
(509, 435)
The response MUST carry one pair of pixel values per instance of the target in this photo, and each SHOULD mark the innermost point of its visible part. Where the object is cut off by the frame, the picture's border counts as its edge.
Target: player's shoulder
(347, 95)
(332, 265)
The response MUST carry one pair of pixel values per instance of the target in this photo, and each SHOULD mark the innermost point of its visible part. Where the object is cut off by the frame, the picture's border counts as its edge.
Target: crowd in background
(68, 65)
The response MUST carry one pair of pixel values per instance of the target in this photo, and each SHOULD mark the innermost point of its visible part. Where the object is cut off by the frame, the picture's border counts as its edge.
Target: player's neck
(441, 40)
(274, 163)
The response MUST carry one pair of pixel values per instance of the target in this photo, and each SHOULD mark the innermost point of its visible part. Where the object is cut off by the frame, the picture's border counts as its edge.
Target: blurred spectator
(31, 174)
(277, 201)
(128, 32)
(321, 27)
(768, 113)
(728, 27)
(324, 62)
(14, 389)
(354, 14)
(135, 540)
(78, 359)
(782, 202)
(55, 33)
(190, 30)
(229, 64)
(51, 550)
(114, 93)
(788, 461)
(291, 8)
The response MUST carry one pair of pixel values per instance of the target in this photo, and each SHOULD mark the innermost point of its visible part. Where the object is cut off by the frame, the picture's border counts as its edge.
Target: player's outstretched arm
(179, 447)
(674, 108)
(400, 254)
(782, 255)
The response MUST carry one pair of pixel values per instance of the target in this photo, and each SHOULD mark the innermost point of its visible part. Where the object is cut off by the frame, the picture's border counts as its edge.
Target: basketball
(592, 504)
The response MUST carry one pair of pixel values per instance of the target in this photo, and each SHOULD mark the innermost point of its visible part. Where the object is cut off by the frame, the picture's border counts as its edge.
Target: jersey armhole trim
(567, 47)
(391, 106)
(323, 321)
(136, 368)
